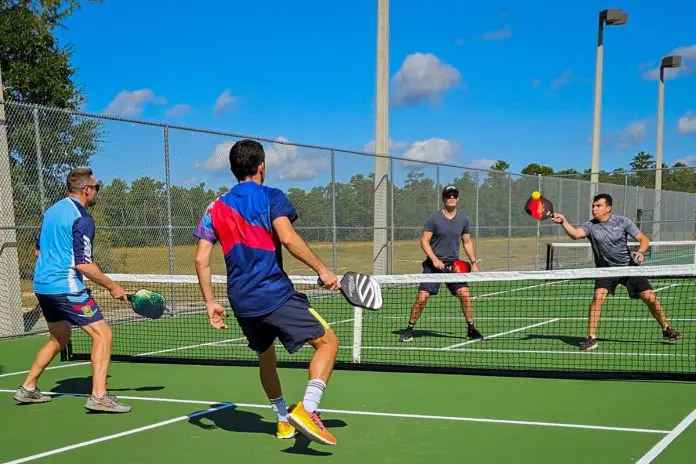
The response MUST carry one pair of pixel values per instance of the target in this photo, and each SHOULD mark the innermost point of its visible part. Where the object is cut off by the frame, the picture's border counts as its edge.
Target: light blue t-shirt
(65, 240)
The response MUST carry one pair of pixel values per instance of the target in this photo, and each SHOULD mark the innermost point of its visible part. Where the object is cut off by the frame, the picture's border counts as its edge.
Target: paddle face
(361, 290)
(458, 266)
(539, 209)
(147, 303)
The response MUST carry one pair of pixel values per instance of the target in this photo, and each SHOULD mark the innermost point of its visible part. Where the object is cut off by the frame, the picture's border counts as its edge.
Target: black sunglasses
(452, 195)
(95, 186)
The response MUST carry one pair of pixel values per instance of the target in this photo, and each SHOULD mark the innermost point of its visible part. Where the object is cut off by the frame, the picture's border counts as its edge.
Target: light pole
(379, 263)
(673, 61)
(610, 17)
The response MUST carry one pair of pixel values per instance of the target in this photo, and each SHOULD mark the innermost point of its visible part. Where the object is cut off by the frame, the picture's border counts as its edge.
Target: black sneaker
(671, 334)
(589, 344)
(406, 336)
(474, 334)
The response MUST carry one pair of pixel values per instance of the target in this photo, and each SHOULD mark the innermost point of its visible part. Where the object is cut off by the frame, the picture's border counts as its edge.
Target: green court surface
(376, 417)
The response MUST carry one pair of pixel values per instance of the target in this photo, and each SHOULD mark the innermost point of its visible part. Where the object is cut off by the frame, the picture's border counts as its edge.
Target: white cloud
(688, 54)
(432, 150)
(688, 160)
(190, 182)
(393, 146)
(132, 103)
(224, 102)
(633, 134)
(423, 77)
(499, 34)
(178, 111)
(481, 164)
(565, 79)
(282, 161)
(687, 124)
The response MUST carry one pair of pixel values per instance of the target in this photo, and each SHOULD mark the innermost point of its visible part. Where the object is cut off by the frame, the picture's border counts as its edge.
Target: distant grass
(492, 254)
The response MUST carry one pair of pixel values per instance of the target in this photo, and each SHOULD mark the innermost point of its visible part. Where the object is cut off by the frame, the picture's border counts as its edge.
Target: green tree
(37, 70)
(534, 169)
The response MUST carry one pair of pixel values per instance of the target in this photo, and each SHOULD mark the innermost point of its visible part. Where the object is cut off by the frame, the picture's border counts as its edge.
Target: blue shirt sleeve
(281, 206)
(631, 228)
(465, 229)
(430, 224)
(83, 235)
(205, 229)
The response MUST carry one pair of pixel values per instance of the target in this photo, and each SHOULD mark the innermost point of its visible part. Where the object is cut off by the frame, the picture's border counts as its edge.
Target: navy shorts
(434, 287)
(78, 309)
(293, 323)
(634, 285)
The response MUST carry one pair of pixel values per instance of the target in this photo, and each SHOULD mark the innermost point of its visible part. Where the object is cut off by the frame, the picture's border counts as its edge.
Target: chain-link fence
(157, 180)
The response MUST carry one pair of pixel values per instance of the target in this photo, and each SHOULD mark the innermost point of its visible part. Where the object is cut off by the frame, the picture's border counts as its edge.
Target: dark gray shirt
(447, 234)
(610, 240)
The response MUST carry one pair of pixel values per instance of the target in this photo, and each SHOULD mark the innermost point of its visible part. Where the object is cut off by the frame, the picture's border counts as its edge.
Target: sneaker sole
(29, 400)
(287, 437)
(299, 426)
(102, 409)
(590, 348)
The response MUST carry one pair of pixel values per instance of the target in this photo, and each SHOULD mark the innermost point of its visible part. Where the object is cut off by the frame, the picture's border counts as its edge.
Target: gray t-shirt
(609, 240)
(447, 234)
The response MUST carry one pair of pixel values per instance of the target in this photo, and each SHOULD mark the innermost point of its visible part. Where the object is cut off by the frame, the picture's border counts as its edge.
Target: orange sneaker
(309, 424)
(285, 431)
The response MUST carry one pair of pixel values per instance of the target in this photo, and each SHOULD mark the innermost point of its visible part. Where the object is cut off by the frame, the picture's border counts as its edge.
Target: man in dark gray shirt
(608, 234)
(440, 241)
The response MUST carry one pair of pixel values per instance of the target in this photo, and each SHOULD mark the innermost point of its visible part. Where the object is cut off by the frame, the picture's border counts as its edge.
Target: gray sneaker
(107, 403)
(24, 396)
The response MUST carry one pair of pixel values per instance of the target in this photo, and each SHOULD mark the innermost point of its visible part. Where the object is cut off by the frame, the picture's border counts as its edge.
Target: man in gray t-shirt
(608, 234)
(443, 232)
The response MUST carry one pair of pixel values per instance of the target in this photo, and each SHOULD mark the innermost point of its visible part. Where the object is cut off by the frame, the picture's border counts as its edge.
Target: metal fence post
(170, 231)
(437, 187)
(509, 219)
(334, 240)
(39, 161)
(538, 229)
(391, 215)
(625, 194)
(476, 211)
(560, 202)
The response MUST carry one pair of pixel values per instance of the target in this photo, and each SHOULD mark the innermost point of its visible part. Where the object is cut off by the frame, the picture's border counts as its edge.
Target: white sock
(280, 408)
(29, 389)
(312, 396)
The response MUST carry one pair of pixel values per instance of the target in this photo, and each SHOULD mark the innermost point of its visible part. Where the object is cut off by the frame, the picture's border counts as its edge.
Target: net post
(334, 240)
(39, 161)
(170, 230)
(10, 290)
(357, 333)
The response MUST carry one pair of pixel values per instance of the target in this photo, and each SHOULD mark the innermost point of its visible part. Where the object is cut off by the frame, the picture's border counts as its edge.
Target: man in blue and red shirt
(252, 222)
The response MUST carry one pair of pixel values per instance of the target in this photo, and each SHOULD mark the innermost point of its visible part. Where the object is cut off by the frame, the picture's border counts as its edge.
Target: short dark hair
(245, 158)
(604, 196)
(78, 179)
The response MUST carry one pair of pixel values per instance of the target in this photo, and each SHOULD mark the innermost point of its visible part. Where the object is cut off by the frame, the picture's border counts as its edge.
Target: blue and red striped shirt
(242, 221)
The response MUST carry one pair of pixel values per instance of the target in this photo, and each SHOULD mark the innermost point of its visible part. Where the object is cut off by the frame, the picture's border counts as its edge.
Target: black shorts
(293, 323)
(634, 285)
(434, 287)
(77, 309)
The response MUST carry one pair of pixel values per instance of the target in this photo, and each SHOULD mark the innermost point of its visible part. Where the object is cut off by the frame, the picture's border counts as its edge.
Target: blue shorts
(293, 323)
(78, 309)
(434, 287)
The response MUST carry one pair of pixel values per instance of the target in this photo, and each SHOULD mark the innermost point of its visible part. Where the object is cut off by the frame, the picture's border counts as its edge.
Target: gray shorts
(434, 287)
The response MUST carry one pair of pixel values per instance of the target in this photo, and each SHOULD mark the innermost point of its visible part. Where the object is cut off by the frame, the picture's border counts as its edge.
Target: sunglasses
(451, 195)
(95, 186)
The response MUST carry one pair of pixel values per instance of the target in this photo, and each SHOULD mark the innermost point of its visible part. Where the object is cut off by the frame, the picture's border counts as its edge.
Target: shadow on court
(431, 333)
(235, 420)
(575, 341)
(2, 369)
(84, 385)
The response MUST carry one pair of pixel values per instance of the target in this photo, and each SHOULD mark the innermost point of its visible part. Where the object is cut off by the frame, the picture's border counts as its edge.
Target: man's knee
(600, 294)
(99, 331)
(328, 339)
(60, 333)
(422, 297)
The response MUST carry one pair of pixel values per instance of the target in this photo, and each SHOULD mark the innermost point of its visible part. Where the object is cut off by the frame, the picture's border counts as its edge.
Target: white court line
(389, 414)
(520, 329)
(523, 318)
(517, 289)
(671, 436)
(118, 435)
(48, 368)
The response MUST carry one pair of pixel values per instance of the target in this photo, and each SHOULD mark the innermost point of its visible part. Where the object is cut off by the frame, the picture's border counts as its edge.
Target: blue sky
(470, 82)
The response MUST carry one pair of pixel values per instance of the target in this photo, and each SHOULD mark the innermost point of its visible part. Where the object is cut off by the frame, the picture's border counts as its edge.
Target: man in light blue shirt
(64, 249)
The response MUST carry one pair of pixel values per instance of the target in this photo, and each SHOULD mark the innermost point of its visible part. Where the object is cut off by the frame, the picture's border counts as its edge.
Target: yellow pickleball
(536, 195)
